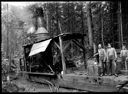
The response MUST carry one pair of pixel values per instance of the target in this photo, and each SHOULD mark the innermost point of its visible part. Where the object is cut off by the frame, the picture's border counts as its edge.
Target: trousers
(111, 66)
(123, 59)
(103, 67)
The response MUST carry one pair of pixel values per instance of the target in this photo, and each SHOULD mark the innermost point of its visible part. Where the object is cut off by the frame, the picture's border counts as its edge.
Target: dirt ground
(37, 87)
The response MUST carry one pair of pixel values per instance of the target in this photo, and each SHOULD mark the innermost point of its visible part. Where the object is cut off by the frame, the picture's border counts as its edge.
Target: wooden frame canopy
(58, 41)
(68, 36)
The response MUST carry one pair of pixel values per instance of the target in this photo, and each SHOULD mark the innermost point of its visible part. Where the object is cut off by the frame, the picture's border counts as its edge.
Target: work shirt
(111, 53)
(124, 53)
(102, 54)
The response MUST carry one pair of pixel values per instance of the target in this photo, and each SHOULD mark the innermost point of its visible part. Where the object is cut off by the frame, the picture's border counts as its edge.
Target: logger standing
(123, 55)
(111, 58)
(102, 58)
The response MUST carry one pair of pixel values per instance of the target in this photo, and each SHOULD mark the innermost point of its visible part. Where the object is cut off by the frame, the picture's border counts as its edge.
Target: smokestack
(41, 32)
(37, 28)
(40, 23)
(38, 16)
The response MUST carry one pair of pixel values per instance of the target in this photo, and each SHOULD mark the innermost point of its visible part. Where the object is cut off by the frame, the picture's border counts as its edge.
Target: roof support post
(62, 55)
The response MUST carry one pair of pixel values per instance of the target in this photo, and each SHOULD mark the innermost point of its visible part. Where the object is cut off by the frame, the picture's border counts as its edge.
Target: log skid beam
(36, 73)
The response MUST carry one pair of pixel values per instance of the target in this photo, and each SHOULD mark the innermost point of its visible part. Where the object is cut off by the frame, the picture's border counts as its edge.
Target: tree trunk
(120, 24)
(89, 23)
(57, 19)
(68, 18)
(102, 30)
(84, 55)
(7, 53)
(47, 19)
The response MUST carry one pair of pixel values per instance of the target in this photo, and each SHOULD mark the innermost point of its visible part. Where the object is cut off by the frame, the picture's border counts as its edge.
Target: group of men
(107, 59)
